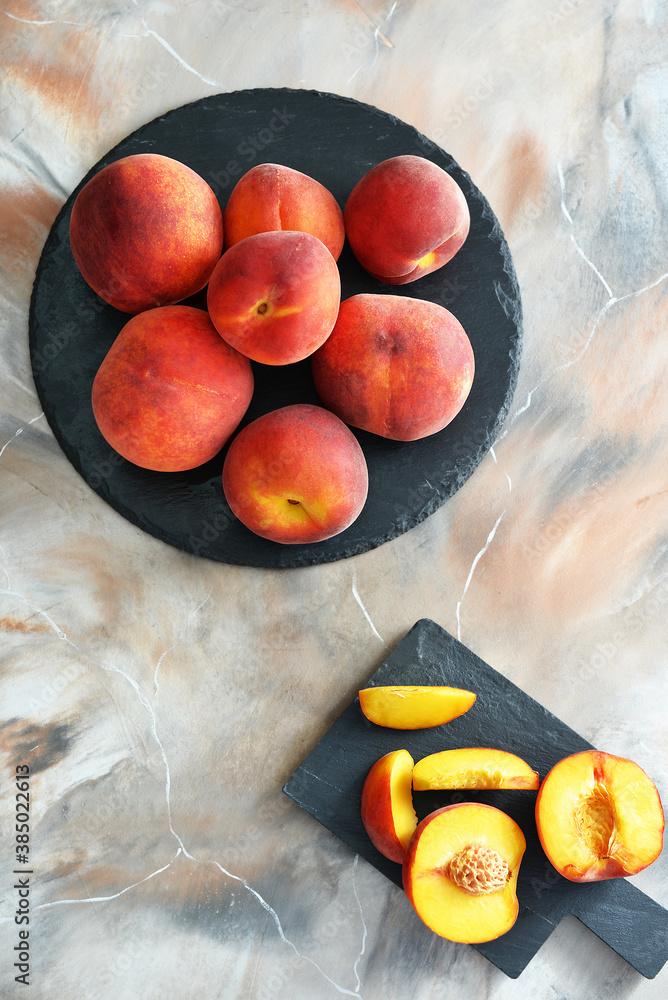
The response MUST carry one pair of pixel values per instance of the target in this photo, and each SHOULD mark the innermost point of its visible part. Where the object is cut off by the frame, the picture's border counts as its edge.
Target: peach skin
(275, 296)
(271, 196)
(170, 392)
(387, 804)
(406, 218)
(296, 475)
(146, 231)
(397, 366)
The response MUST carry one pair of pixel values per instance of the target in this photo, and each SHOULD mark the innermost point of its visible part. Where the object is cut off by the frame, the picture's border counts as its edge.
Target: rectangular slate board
(328, 785)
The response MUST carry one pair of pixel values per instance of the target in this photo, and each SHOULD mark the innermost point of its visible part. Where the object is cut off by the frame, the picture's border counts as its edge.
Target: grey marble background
(162, 700)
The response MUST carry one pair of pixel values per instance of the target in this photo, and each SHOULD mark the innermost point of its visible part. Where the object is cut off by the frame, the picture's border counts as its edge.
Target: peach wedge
(460, 871)
(599, 817)
(407, 707)
(387, 804)
(473, 767)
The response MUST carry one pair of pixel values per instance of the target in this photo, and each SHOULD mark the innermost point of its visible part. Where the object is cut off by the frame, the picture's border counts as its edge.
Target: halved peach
(473, 767)
(414, 707)
(599, 816)
(387, 804)
(460, 871)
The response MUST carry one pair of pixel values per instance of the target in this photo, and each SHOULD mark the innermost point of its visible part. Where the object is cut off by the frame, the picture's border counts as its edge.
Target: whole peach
(275, 296)
(405, 218)
(393, 365)
(296, 475)
(146, 231)
(170, 392)
(271, 196)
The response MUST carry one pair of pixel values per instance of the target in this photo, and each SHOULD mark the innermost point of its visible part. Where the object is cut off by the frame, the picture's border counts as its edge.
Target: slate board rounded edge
(133, 493)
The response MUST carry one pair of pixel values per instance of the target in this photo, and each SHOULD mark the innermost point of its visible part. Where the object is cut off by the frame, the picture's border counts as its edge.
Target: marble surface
(161, 700)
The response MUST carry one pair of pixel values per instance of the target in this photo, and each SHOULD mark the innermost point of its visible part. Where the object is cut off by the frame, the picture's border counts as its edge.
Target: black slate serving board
(336, 140)
(328, 785)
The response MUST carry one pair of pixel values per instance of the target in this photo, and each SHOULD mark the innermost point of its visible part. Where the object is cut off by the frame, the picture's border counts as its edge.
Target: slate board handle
(640, 936)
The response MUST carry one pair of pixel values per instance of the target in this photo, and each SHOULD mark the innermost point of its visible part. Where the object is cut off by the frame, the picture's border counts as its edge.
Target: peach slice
(414, 707)
(473, 767)
(599, 817)
(387, 804)
(460, 871)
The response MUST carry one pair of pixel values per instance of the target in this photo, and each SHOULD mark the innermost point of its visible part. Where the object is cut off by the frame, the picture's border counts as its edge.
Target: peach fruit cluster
(598, 816)
(147, 232)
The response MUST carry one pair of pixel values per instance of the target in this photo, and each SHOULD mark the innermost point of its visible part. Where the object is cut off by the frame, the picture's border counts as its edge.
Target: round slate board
(335, 140)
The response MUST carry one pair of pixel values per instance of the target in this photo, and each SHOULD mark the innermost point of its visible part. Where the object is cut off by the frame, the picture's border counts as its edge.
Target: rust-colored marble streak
(24, 742)
(26, 215)
(526, 172)
(11, 623)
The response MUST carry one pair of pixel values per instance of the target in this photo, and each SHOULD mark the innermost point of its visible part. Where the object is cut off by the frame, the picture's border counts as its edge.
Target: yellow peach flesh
(599, 816)
(401, 785)
(414, 707)
(450, 911)
(473, 767)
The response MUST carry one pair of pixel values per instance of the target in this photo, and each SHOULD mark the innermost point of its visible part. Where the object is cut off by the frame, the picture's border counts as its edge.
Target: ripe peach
(170, 392)
(393, 365)
(405, 218)
(275, 296)
(473, 767)
(412, 707)
(460, 871)
(272, 197)
(599, 816)
(387, 804)
(146, 231)
(296, 474)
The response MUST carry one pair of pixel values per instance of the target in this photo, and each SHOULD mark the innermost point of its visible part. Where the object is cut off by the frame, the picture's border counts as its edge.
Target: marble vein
(364, 927)
(475, 562)
(612, 300)
(115, 895)
(146, 704)
(178, 638)
(149, 32)
(18, 431)
(24, 20)
(364, 610)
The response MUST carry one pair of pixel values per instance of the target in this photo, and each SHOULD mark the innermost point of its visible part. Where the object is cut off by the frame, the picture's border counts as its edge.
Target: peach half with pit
(273, 197)
(460, 871)
(145, 231)
(599, 816)
(473, 767)
(414, 706)
(275, 296)
(296, 475)
(405, 218)
(388, 815)
(397, 366)
(170, 392)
